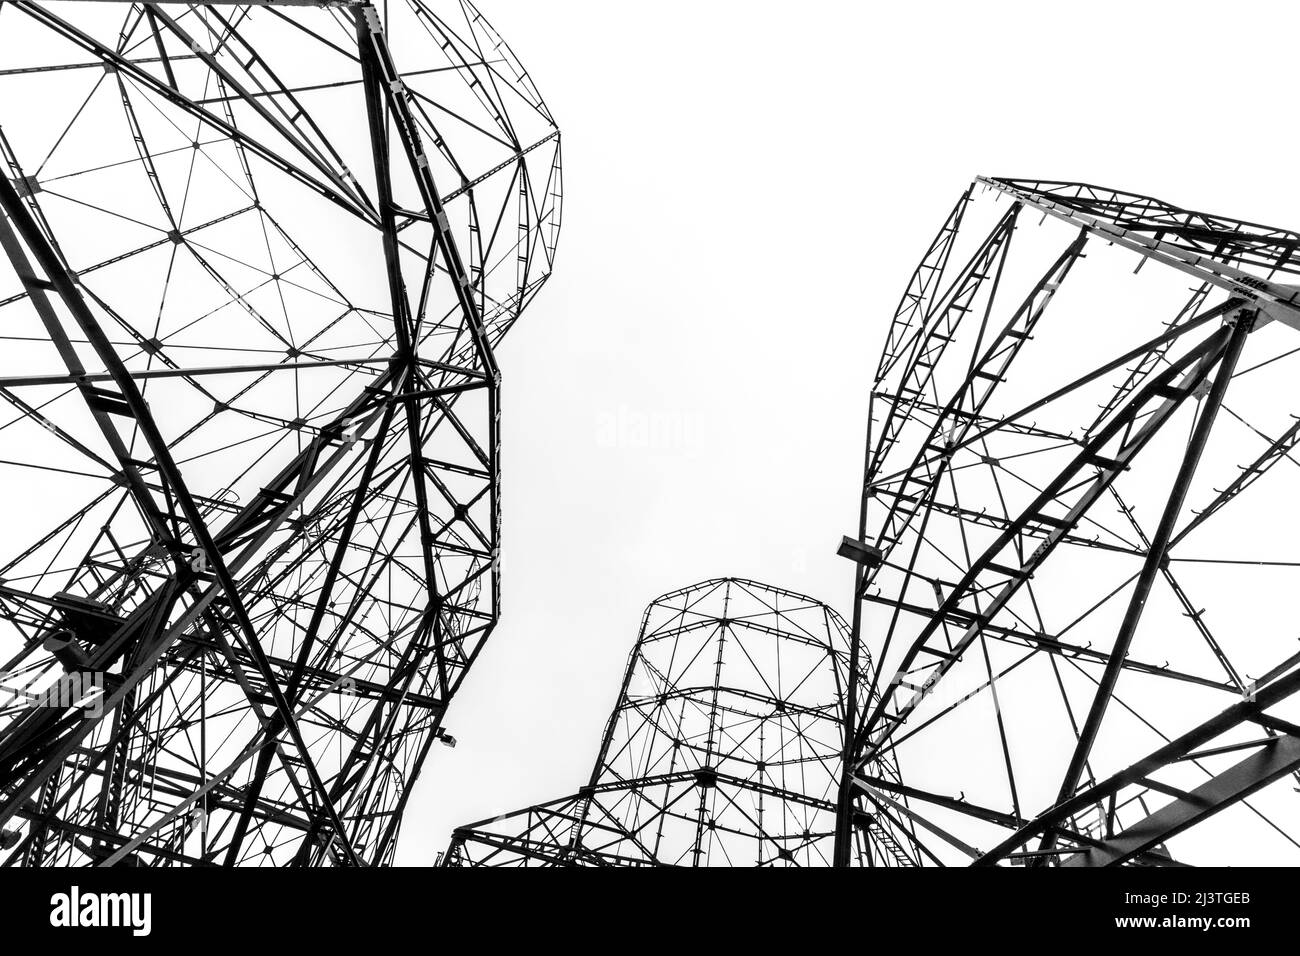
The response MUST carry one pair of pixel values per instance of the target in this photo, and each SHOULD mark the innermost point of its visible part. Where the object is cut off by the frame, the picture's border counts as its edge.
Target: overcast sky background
(747, 188)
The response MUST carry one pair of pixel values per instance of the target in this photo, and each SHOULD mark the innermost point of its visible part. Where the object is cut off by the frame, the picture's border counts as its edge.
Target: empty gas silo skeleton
(261, 256)
(723, 749)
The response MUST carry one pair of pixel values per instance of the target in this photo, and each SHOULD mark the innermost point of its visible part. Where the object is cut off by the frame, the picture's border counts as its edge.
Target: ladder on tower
(886, 840)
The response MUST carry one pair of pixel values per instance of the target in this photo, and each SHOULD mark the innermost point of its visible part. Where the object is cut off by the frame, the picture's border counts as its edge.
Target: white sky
(747, 189)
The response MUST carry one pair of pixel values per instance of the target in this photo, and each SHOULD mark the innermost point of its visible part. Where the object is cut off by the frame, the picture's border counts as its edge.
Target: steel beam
(1273, 760)
(1241, 326)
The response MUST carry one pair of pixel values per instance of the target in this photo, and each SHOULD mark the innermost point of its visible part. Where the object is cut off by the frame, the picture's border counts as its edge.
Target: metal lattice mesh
(724, 748)
(1077, 474)
(261, 257)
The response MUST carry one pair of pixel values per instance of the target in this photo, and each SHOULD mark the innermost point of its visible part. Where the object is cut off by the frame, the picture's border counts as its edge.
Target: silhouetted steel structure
(262, 257)
(1076, 558)
(723, 748)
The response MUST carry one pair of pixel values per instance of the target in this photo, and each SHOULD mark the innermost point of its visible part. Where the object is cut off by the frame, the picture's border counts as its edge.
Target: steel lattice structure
(261, 258)
(723, 749)
(1078, 593)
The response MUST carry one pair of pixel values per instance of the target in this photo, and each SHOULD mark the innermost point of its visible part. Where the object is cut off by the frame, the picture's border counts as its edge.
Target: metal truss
(1078, 595)
(723, 750)
(261, 258)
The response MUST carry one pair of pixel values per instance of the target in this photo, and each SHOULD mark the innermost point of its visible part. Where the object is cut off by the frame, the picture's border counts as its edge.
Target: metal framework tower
(1076, 557)
(723, 748)
(260, 258)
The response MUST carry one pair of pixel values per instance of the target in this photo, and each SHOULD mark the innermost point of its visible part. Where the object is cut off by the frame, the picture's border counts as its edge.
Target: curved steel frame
(264, 631)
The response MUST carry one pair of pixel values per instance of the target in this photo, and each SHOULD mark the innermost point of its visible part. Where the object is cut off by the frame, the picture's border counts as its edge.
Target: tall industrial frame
(260, 258)
(1075, 547)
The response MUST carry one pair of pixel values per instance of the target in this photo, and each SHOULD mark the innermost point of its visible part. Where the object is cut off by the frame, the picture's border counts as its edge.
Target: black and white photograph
(441, 435)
